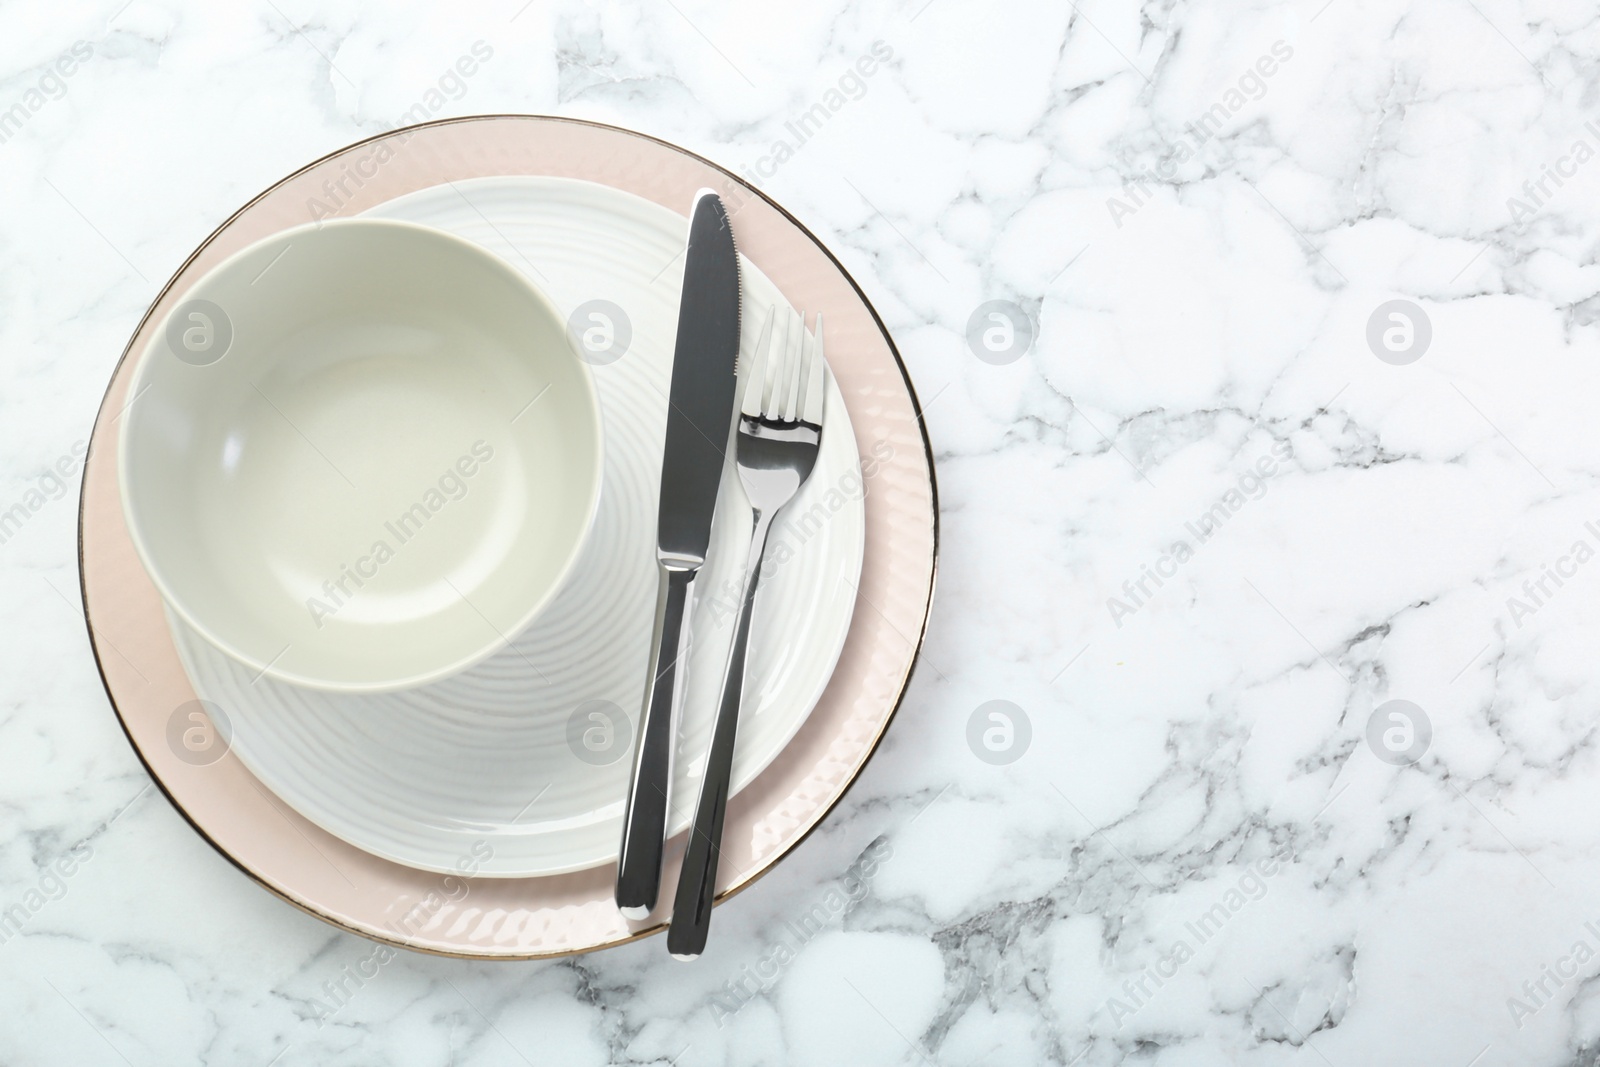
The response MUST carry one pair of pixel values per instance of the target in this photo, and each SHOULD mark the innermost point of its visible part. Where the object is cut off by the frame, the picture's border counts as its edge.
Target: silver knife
(699, 420)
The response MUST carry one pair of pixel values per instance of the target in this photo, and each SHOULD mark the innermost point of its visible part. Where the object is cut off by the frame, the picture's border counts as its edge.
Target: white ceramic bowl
(361, 456)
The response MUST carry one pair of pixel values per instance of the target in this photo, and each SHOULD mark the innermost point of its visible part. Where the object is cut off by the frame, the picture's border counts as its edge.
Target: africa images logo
(452, 485)
(1251, 485)
(1249, 86)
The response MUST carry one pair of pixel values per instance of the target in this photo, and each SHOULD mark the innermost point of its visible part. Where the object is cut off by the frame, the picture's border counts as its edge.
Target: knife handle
(644, 817)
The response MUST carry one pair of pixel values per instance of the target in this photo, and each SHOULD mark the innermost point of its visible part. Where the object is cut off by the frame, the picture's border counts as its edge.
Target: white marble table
(1208, 510)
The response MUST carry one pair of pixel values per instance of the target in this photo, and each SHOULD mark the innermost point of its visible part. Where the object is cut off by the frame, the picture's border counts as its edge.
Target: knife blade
(699, 420)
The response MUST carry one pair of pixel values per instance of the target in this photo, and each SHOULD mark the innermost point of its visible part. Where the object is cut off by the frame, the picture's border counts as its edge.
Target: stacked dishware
(505, 539)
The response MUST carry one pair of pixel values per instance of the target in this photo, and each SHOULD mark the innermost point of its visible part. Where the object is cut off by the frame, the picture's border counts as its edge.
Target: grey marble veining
(1212, 504)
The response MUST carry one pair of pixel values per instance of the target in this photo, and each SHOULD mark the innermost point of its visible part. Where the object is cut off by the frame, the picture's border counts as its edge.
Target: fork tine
(798, 346)
(804, 370)
(772, 404)
(776, 350)
(778, 373)
(815, 378)
(755, 376)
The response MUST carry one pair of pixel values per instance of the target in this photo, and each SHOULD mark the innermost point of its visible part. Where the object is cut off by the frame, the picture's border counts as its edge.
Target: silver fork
(780, 428)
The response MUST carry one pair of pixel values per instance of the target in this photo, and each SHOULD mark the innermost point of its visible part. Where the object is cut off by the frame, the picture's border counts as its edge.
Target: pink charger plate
(531, 918)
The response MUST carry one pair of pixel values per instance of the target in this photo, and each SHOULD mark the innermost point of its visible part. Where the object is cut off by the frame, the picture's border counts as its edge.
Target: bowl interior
(362, 455)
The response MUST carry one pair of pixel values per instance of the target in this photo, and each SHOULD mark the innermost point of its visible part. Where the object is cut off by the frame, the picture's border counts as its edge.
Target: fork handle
(644, 816)
(697, 881)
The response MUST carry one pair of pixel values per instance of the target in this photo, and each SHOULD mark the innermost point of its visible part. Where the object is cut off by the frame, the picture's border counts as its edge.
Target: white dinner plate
(527, 752)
